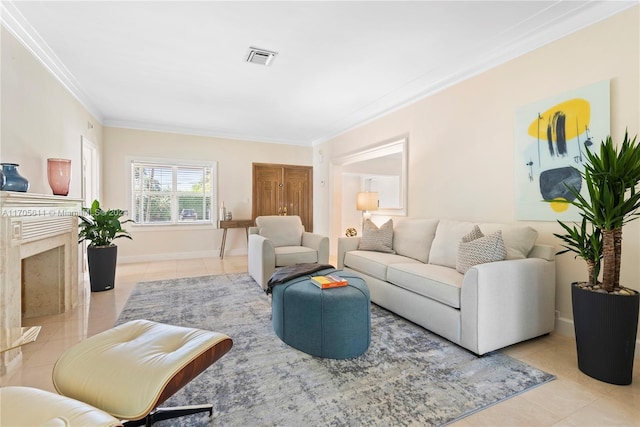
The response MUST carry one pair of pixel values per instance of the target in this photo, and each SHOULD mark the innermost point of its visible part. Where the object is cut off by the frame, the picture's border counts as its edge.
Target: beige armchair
(279, 241)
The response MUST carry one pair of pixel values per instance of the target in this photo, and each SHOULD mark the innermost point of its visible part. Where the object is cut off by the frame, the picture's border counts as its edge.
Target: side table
(236, 223)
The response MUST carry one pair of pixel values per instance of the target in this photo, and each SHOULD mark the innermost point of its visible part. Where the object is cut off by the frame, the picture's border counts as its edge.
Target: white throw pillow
(444, 250)
(474, 250)
(377, 239)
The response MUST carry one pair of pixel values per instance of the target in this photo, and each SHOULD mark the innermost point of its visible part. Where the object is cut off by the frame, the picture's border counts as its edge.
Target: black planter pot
(606, 326)
(102, 267)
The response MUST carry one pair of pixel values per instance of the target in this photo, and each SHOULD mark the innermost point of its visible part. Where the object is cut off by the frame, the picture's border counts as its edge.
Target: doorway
(90, 181)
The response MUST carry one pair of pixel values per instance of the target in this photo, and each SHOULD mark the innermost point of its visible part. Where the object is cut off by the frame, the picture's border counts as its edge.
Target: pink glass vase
(59, 174)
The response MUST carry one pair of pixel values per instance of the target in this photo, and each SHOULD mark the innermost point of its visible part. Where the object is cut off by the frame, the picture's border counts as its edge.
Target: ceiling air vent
(260, 56)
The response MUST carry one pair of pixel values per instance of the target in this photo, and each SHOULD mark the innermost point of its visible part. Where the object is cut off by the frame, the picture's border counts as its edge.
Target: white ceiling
(179, 66)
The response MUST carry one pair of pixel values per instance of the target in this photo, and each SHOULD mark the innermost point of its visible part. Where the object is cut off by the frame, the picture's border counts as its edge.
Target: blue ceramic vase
(13, 180)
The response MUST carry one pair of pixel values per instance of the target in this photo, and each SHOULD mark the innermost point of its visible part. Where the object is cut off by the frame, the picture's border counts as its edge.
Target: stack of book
(328, 281)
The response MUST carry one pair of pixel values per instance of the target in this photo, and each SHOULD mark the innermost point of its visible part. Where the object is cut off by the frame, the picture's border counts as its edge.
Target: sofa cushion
(480, 250)
(286, 236)
(519, 239)
(413, 238)
(374, 263)
(433, 281)
(444, 250)
(281, 230)
(290, 255)
(377, 239)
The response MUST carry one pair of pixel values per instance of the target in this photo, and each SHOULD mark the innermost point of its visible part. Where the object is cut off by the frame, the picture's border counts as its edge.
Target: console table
(236, 223)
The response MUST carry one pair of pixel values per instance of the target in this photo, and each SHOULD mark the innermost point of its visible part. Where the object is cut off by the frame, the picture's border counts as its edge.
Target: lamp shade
(367, 201)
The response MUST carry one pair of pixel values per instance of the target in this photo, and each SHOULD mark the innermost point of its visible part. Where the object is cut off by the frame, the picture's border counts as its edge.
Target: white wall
(235, 159)
(40, 119)
(461, 158)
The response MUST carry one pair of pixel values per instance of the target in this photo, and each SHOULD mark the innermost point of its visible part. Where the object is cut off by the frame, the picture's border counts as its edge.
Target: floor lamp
(366, 202)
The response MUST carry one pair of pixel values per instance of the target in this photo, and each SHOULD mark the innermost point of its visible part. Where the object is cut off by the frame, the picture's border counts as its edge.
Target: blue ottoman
(333, 323)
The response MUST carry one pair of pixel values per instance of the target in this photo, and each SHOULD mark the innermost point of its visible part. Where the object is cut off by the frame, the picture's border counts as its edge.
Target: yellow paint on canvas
(559, 204)
(577, 112)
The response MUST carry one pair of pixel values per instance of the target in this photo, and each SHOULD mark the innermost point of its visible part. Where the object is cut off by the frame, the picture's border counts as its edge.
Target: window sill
(168, 227)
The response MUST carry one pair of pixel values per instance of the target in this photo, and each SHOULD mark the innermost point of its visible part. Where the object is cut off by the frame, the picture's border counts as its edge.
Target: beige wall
(461, 159)
(40, 119)
(234, 159)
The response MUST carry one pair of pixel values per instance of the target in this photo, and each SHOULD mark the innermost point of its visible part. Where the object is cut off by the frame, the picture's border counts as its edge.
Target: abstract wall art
(551, 137)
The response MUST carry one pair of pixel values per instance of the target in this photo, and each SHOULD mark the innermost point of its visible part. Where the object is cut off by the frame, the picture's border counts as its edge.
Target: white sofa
(491, 306)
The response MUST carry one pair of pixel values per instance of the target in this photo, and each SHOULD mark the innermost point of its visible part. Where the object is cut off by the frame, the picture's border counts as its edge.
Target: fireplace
(38, 259)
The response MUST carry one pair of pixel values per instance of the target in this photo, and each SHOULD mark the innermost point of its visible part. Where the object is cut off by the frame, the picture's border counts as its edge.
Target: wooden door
(267, 190)
(283, 190)
(298, 195)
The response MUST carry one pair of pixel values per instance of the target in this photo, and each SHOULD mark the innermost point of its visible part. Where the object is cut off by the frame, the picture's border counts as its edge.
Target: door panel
(297, 195)
(266, 190)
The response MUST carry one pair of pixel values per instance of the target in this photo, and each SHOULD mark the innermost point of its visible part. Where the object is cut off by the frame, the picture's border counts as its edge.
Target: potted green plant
(605, 313)
(100, 227)
(586, 242)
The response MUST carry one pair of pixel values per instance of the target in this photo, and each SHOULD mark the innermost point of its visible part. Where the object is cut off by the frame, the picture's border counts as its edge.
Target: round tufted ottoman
(333, 323)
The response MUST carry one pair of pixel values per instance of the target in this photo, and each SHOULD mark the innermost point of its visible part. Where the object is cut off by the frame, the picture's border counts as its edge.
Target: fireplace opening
(43, 283)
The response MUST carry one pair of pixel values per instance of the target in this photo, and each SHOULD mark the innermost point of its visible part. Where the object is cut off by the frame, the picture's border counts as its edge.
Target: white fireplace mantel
(38, 233)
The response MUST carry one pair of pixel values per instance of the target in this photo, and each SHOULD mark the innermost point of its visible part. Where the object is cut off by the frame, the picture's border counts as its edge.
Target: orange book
(328, 281)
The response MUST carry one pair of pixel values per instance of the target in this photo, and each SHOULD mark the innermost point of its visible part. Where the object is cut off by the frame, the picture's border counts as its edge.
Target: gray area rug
(408, 377)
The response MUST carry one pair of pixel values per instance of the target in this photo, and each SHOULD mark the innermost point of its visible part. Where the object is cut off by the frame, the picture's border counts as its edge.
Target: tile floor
(574, 399)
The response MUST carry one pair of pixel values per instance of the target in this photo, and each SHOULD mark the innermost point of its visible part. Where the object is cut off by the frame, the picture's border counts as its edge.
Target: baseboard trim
(564, 326)
(180, 255)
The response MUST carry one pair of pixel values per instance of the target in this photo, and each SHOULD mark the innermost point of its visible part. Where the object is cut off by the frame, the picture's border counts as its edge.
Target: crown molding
(565, 24)
(22, 30)
(211, 133)
(584, 15)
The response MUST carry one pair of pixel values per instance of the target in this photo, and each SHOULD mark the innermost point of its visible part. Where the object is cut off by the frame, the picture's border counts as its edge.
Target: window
(165, 193)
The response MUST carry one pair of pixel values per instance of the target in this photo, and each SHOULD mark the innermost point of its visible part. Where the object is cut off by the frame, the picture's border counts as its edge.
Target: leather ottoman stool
(333, 323)
(128, 370)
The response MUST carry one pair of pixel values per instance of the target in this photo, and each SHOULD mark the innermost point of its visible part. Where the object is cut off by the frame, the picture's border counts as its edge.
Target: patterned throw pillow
(377, 239)
(480, 250)
(474, 234)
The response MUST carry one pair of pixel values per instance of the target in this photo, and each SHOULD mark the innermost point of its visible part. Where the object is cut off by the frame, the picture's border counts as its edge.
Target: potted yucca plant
(100, 227)
(586, 242)
(605, 313)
